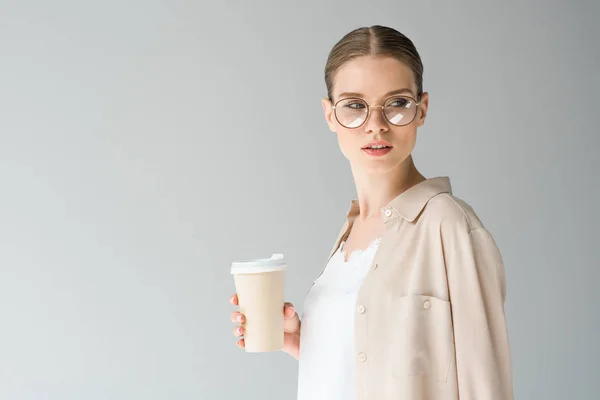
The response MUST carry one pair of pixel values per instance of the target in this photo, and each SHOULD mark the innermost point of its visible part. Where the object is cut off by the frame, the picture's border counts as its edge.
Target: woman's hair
(376, 40)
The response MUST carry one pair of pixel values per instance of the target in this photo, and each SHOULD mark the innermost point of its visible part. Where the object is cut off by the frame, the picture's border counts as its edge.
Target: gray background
(146, 145)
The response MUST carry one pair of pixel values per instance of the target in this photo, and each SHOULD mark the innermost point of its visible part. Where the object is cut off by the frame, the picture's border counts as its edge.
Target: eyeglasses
(397, 110)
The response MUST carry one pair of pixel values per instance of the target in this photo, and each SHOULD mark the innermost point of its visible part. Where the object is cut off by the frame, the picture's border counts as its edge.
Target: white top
(326, 366)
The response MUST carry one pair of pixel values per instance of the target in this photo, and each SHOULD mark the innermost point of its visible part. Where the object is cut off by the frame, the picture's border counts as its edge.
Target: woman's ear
(328, 110)
(422, 109)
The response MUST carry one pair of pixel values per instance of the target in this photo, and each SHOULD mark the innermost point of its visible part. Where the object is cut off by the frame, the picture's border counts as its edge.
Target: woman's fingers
(288, 310)
(238, 317)
(291, 320)
(238, 331)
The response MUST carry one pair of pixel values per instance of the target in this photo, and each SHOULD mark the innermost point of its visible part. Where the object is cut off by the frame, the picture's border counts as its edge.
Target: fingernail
(239, 318)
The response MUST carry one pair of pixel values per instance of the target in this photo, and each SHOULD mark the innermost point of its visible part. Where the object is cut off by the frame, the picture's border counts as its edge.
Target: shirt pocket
(425, 339)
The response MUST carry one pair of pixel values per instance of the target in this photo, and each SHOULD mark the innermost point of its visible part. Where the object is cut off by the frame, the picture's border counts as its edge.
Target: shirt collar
(411, 202)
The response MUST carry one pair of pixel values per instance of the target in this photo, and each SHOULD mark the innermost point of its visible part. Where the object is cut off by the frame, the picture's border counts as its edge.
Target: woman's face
(375, 80)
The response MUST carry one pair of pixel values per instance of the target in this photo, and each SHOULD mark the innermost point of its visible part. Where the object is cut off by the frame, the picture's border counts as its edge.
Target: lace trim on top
(357, 252)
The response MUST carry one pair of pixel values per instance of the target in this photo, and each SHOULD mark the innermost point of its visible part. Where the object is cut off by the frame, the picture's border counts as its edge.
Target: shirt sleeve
(477, 287)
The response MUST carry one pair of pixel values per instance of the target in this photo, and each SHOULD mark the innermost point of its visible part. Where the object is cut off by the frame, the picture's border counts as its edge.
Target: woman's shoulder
(448, 209)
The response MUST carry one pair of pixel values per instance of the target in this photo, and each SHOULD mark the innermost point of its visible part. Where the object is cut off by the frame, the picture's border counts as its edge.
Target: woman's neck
(376, 190)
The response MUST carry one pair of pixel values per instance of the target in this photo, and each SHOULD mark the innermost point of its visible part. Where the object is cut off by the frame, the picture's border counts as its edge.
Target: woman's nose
(376, 121)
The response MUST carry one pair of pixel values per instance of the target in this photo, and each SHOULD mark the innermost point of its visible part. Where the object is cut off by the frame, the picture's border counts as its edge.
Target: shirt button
(388, 213)
(427, 304)
(360, 309)
(362, 357)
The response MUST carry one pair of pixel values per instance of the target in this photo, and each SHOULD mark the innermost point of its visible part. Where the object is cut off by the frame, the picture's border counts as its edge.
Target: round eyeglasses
(398, 110)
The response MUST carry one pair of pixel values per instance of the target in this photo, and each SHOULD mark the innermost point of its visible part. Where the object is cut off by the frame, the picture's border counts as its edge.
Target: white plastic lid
(275, 263)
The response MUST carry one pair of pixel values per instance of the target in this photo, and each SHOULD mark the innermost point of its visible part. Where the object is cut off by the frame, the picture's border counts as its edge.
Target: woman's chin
(378, 165)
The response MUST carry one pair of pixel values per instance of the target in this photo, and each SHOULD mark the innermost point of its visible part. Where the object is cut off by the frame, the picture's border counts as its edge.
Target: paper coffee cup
(259, 285)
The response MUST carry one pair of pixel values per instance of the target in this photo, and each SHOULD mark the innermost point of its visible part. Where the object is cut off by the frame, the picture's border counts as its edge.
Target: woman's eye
(400, 103)
(354, 106)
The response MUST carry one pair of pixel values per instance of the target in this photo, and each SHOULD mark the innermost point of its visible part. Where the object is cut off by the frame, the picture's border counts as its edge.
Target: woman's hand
(291, 328)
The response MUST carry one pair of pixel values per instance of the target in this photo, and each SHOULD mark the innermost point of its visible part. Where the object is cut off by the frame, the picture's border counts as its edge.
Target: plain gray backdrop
(146, 145)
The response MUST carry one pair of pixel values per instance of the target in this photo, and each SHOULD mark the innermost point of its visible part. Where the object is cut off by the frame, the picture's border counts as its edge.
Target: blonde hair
(376, 40)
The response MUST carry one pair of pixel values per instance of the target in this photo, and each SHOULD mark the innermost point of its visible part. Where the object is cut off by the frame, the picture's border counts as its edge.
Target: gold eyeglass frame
(417, 103)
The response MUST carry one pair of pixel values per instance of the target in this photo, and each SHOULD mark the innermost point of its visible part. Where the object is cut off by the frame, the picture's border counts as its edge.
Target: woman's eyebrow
(356, 94)
(399, 91)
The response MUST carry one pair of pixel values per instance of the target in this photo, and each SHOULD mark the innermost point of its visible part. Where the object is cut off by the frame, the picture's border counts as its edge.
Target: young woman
(410, 304)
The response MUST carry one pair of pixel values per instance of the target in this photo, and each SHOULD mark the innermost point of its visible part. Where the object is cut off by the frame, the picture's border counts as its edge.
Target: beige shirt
(430, 320)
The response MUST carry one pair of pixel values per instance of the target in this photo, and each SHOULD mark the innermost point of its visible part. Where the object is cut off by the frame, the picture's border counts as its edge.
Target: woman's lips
(378, 148)
(377, 152)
